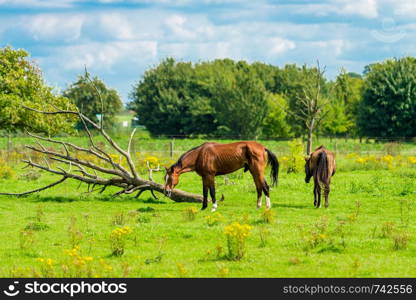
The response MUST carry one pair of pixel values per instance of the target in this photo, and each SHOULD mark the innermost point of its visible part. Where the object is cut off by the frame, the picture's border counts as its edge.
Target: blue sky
(118, 40)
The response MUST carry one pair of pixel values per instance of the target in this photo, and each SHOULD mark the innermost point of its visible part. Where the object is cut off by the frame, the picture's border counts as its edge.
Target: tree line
(235, 98)
(224, 97)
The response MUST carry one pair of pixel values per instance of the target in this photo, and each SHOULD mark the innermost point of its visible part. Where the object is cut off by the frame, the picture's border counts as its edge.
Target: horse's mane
(179, 161)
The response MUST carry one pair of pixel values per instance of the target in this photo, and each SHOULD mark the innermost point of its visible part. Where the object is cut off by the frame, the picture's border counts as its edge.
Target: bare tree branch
(94, 174)
(36, 190)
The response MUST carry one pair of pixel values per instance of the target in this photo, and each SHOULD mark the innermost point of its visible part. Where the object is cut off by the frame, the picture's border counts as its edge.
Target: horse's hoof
(204, 207)
(213, 209)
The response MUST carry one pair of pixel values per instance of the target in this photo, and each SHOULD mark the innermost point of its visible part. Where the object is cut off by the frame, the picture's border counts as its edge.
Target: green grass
(169, 244)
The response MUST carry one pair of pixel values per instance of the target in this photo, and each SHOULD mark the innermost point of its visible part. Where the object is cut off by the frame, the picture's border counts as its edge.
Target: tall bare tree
(311, 104)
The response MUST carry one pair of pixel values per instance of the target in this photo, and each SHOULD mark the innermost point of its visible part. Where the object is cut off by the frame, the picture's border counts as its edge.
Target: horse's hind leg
(259, 185)
(257, 171)
(316, 195)
(266, 191)
(326, 193)
(319, 196)
(259, 189)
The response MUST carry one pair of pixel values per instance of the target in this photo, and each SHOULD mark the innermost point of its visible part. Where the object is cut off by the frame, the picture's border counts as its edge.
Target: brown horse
(321, 165)
(213, 159)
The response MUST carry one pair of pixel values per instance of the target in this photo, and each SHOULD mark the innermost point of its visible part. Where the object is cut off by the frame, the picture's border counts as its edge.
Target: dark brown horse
(321, 165)
(213, 159)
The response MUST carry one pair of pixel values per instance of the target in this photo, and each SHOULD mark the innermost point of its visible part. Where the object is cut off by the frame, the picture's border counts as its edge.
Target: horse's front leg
(205, 195)
(209, 183)
(212, 193)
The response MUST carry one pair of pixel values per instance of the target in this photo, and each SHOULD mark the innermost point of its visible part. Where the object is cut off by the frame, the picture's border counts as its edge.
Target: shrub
(387, 228)
(182, 271)
(400, 240)
(77, 265)
(222, 271)
(36, 226)
(146, 209)
(6, 172)
(264, 233)
(118, 219)
(143, 219)
(267, 216)
(118, 238)
(75, 236)
(213, 219)
(189, 213)
(295, 161)
(236, 234)
(26, 239)
(46, 267)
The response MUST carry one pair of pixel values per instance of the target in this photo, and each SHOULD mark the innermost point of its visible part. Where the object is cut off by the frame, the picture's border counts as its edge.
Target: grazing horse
(321, 165)
(212, 159)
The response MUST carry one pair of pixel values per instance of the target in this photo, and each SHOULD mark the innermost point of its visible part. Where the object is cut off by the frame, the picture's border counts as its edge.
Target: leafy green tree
(348, 88)
(337, 122)
(345, 94)
(219, 97)
(170, 99)
(238, 98)
(95, 100)
(21, 84)
(388, 108)
(275, 124)
(268, 75)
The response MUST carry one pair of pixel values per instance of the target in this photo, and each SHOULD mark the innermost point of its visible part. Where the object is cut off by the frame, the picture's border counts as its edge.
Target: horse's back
(226, 158)
(330, 159)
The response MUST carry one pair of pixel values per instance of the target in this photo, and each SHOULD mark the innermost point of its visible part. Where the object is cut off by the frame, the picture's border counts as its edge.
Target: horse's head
(308, 173)
(171, 179)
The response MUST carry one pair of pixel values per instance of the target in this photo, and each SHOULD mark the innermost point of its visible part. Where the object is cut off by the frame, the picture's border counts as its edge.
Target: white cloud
(279, 45)
(104, 56)
(122, 42)
(116, 26)
(54, 26)
(402, 8)
(331, 47)
(363, 8)
(38, 3)
(175, 24)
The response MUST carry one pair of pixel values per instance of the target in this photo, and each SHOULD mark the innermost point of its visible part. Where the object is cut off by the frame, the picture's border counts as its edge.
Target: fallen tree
(98, 176)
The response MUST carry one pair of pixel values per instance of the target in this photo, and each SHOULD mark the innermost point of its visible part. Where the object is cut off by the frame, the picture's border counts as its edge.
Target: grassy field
(368, 230)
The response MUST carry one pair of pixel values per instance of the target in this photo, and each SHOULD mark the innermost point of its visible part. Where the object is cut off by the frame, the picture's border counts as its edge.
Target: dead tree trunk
(97, 175)
(309, 140)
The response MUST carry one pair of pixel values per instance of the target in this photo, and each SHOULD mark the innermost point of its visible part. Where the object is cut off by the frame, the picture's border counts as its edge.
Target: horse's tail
(274, 163)
(322, 173)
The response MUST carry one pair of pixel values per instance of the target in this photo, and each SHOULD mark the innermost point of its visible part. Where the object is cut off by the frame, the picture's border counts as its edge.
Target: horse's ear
(166, 168)
(307, 157)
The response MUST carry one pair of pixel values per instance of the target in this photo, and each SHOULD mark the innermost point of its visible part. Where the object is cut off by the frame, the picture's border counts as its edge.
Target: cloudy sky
(118, 40)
